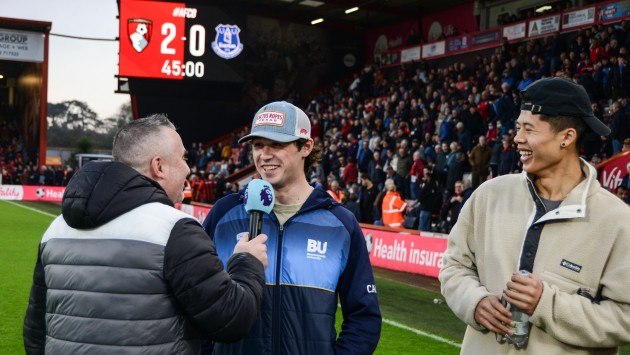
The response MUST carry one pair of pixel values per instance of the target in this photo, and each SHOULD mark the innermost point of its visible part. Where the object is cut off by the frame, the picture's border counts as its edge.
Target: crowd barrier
(395, 249)
(31, 193)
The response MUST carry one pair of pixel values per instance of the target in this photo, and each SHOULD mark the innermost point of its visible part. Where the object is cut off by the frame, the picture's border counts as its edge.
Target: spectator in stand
(479, 159)
(495, 147)
(364, 157)
(69, 173)
(192, 155)
(393, 206)
(464, 137)
(525, 82)
(415, 175)
(620, 80)
(350, 202)
(505, 107)
(49, 176)
(376, 172)
(430, 199)
(440, 167)
(472, 120)
(451, 207)
(596, 51)
(368, 195)
(330, 160)
(350, 172)
(456, 170)
(6, 178)
(23, 179)
(622, 192)
(403, 169)
(226, 152)
(446, 130)
(335, 191)
(398, 180)
(317, 130)
(219, 188)
(243, 155)
(195, 185)
(509, 158)
(620, 126)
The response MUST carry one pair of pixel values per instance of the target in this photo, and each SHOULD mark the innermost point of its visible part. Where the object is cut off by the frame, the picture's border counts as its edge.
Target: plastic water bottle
(521, 324)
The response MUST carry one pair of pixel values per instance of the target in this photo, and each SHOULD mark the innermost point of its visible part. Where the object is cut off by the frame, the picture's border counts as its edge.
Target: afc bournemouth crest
(227, 44)
(139, 31)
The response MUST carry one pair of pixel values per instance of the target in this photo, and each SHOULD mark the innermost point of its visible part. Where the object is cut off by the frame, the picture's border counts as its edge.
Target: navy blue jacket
(317, 259)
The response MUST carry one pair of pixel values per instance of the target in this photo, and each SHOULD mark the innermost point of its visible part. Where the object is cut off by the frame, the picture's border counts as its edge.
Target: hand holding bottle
(523, 291)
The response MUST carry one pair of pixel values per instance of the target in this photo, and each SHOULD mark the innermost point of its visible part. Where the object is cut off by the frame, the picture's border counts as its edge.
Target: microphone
(259, 199)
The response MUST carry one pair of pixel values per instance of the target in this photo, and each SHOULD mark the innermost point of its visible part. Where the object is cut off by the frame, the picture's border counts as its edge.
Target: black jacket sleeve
(222, 305)
(34, 331)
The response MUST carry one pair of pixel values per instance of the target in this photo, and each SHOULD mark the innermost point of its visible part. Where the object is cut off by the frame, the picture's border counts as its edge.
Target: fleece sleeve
(221, 304)
(458, 276)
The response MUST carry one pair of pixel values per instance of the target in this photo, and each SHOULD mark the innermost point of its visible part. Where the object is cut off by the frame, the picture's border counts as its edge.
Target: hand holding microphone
(259, 198)
(256, 247)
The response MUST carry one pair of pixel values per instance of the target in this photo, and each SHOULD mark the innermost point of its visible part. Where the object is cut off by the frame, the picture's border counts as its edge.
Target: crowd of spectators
(429, 133)
(432, 134)
(16, 168)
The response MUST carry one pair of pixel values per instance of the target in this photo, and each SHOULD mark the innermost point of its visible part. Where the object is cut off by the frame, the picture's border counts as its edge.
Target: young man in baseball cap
(317, 252)
(555, 222)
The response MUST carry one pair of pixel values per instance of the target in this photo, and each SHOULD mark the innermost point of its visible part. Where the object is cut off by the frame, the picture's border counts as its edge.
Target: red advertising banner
(612, 171)
(411, 253)
(31, 193)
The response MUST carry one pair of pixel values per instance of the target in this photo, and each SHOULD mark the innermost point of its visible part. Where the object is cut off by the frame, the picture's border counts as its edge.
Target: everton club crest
(139, 31)
(227, 44)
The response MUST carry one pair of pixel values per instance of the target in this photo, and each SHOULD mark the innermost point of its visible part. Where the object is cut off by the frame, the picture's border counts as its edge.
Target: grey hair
(137, 141)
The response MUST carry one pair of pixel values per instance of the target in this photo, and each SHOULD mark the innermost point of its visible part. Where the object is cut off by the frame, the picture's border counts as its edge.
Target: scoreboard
(179, 41)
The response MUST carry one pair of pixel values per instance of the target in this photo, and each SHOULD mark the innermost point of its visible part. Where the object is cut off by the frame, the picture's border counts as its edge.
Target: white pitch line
(422, 333)
(29, 208)
(418, 332)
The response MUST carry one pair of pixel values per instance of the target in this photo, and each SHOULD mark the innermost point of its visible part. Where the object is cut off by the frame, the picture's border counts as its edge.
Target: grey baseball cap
(279, 121)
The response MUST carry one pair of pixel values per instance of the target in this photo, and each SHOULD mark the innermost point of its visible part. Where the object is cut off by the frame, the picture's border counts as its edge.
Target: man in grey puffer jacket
(122, 271)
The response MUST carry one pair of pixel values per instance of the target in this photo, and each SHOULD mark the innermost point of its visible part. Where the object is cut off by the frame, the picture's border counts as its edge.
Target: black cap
(561, 97)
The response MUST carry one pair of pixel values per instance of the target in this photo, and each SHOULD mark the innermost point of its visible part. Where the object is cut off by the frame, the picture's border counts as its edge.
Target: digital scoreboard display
(173, 40)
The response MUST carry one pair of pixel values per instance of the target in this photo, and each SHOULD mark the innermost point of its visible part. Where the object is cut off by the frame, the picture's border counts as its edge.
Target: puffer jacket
(123, 272)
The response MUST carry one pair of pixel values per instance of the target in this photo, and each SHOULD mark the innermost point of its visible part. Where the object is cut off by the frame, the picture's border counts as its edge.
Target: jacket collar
(574, 205)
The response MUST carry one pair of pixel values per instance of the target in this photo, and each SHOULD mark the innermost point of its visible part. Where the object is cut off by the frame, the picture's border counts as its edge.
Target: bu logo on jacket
(316, 249)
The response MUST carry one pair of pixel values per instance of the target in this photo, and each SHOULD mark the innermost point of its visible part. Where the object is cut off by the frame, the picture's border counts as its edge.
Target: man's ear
(156, 168)
(308, 147)
(569, 136)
